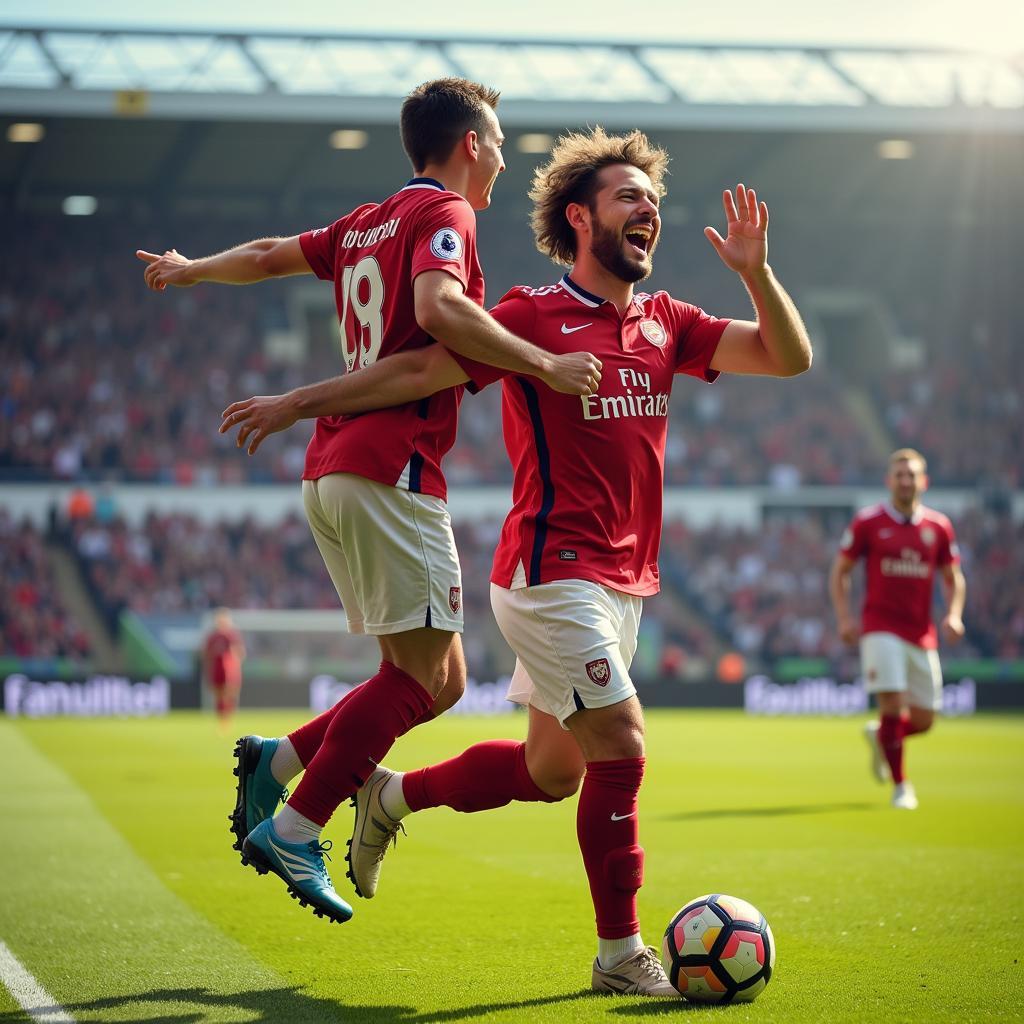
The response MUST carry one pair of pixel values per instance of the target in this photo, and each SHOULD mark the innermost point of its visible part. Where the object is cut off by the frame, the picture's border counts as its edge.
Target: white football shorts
(890, 664)
(390, 554)
(573, 640)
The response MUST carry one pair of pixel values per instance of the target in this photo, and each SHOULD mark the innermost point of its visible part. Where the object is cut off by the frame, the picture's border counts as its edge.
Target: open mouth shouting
(640, 238)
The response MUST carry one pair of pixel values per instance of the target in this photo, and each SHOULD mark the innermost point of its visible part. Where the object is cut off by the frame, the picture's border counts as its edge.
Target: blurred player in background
(578, 552)
(405, 271)
(222, 656)
(903, 543)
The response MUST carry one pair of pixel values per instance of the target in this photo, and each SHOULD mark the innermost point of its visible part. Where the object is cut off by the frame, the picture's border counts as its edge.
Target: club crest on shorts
(653, 332)
(599, 671)
(455, 598)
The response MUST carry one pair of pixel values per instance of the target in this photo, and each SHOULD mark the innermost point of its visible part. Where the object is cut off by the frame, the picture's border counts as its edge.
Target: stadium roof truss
(269, 76)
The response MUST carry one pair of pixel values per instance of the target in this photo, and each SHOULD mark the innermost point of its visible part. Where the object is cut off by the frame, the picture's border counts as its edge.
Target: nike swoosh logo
(566, 329)
(622, 817)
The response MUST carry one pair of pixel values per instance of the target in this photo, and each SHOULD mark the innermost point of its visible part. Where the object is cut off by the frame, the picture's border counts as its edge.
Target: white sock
(392, 799)
(293, 827)
(285, 763)
(611, 952)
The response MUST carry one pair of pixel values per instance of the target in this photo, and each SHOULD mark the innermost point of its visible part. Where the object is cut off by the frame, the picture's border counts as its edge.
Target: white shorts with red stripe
(574, 641)
(390, 554)
(891, 664)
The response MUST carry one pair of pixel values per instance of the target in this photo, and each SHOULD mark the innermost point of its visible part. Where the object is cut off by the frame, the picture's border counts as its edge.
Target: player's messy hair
(908, 455)
(571, 177)
(437, 114)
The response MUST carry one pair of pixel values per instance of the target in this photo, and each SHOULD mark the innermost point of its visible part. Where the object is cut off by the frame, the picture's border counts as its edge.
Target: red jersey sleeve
(516, 313)
(854, 542)
(319, 246)
(948, 552)
(445, 238)
(697, 336)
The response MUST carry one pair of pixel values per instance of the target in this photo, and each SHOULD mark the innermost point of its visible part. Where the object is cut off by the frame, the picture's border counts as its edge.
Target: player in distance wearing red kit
(405, 271)
(903, 544)
(578, 552)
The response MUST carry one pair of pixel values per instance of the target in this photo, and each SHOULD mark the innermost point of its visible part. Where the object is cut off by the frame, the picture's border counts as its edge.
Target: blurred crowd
(761, 593)
(34, 621)
(105, 380)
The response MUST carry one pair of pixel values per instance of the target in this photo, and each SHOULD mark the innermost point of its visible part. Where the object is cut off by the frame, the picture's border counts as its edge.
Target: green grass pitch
(119, 891)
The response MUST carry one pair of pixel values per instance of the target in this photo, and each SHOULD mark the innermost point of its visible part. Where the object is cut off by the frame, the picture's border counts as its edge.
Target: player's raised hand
(745, 246)
(574, 373)
(257, 418)
(170, 269)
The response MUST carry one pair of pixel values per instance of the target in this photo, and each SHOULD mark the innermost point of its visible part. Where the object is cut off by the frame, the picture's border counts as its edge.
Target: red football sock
(358, 737)
(890, 738)
(487, 775)
(608, 833)
(307, 738)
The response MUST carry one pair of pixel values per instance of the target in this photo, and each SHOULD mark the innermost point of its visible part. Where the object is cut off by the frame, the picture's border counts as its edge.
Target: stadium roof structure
(202, 75)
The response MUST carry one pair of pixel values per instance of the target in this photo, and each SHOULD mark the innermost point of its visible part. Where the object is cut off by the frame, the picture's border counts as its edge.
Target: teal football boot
(301, 867)
(257, 792)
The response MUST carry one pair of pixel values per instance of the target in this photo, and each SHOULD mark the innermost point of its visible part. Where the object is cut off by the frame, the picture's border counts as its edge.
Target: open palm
(745, 246)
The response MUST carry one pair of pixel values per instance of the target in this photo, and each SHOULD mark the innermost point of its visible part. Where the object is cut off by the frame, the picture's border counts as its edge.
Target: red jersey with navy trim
(373, 255)
(901, 556)
(589, 472)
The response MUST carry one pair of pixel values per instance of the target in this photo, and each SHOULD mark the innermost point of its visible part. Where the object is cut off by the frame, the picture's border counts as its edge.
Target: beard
(607, 248)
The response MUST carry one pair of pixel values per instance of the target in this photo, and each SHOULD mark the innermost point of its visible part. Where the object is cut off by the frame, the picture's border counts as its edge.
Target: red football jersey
(589, 472)
(222, 664)
(373, 255)
(901, 558)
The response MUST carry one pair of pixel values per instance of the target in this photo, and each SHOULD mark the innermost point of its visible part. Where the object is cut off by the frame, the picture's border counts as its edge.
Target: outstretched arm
(776, 344)
(244, 264)
(444, 312)
(394, 380)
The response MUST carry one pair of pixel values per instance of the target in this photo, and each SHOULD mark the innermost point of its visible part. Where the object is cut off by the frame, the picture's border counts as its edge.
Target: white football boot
(904, 798)
(879, 768)
(639, 975)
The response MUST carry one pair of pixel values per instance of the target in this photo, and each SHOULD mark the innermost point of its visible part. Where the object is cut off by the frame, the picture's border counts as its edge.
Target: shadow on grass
(281, 1006)
(195, 1005)
(769, 812)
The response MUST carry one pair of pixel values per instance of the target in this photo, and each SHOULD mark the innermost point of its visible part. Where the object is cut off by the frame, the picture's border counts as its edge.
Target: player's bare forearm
(247, 263)
(955, 587)
(395, 380)
(445, 313)
(780, 326)
(839, 592)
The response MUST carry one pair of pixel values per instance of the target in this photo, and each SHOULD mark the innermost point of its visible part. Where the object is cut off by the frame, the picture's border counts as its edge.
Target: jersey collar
(424, 183)
(581, 294)
(894, 513)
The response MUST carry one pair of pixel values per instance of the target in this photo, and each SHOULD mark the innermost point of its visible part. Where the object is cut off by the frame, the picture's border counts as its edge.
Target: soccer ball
(718, 949)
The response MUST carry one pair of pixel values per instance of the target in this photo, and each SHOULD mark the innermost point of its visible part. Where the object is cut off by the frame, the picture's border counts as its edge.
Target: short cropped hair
(908, 455)
(437, 114)
(571, 177)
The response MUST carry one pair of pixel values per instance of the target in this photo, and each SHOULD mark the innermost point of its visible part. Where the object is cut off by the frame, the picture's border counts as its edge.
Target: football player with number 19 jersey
(405, 272)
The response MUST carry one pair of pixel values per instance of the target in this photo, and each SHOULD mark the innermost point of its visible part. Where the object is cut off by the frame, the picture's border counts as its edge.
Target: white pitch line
(33, 998)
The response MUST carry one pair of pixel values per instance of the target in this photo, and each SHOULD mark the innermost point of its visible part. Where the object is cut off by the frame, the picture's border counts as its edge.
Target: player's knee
(624, 868)
(560, 785)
